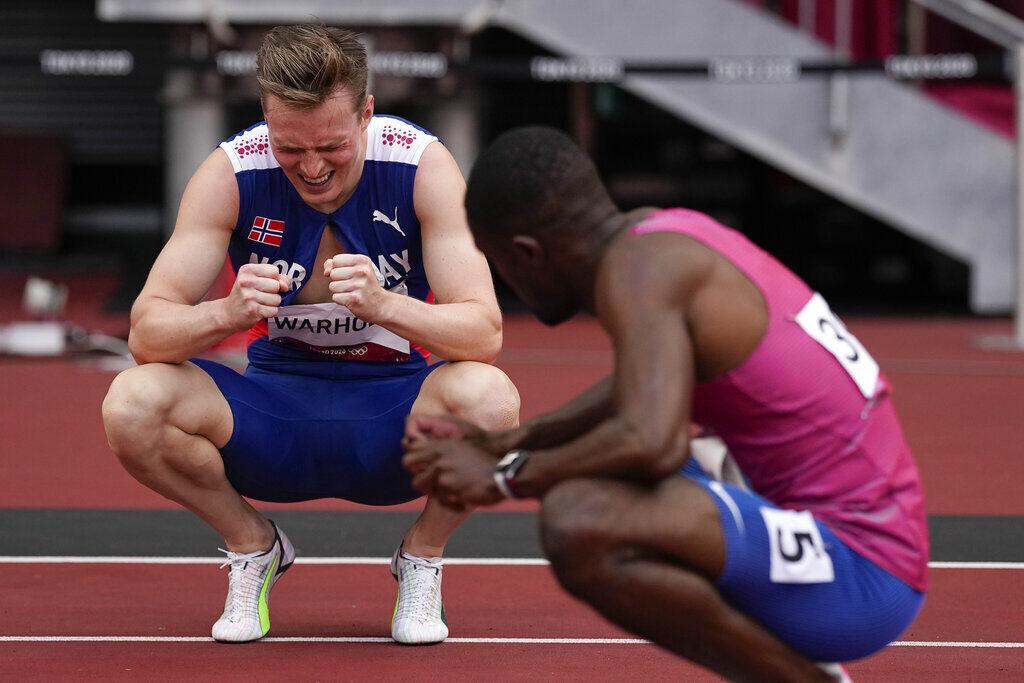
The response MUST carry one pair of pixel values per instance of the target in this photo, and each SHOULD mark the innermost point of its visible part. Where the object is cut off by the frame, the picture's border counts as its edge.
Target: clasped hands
(452, 460)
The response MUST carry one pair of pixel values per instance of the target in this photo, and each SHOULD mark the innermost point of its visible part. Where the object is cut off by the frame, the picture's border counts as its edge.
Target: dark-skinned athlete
(824, 560)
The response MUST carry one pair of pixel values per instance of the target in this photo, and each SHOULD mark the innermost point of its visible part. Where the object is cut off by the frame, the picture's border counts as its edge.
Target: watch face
(506, 471)
(521, 456)
(508, 459)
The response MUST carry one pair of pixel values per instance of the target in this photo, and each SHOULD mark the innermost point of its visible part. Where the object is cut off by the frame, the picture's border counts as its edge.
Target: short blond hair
(304, 64)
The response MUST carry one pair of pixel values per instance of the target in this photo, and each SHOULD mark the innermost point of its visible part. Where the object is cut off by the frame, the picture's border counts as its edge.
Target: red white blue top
(379, 220)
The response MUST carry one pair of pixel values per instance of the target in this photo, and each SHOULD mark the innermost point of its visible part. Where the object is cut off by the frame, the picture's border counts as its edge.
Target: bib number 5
(797, 552)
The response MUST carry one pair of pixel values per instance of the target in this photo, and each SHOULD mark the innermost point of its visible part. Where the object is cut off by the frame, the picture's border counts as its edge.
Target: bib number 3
(818, 320)
(797, 551)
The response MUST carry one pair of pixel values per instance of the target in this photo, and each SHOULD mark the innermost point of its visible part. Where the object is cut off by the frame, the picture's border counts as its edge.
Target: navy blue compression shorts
(300, 437)
(789, 571)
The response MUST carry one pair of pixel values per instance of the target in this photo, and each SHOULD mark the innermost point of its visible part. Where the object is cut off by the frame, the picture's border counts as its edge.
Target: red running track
(962, 409)
(481, 601)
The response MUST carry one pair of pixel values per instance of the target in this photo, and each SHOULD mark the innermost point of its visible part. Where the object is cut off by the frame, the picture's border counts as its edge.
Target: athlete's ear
(528, 248)
(367, 113)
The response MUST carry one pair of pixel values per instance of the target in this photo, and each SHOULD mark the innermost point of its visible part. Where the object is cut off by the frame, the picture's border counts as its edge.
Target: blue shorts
(789, 571)
(300, 437)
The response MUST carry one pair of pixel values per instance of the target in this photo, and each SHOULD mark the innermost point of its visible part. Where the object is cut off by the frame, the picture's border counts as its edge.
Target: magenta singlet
(808, 415)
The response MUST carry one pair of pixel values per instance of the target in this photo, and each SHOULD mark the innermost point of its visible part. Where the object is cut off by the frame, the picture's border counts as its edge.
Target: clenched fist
(356, 285)
(256, 294)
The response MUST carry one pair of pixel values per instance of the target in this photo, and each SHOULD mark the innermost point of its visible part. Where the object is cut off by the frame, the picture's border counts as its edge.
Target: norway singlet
(320, 410)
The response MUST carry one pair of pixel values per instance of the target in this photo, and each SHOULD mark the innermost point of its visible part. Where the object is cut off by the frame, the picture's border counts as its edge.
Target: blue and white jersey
(379, 220)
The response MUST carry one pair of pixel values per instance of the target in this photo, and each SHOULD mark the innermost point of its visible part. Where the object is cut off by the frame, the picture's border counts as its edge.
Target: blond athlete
(344, 228)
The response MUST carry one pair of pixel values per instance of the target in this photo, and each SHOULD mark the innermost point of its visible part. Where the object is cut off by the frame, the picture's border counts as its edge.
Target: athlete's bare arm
(577, 416)
(465, 324)
(168, 324)
(642, 294)
(549, 429)
(645, 434)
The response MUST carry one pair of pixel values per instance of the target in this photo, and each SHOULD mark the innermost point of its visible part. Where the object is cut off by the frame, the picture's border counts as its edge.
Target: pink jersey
(808, 416)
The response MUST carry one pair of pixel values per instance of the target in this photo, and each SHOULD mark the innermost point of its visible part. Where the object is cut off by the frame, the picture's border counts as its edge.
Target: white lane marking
(469, 561)
(124, 559)
(500, 641)
(976, 565)
(952, 643)
(315, 639)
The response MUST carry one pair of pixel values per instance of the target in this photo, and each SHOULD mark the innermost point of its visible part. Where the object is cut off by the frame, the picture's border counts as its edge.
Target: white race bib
(797, 551)
(332, 329)
(824, 327)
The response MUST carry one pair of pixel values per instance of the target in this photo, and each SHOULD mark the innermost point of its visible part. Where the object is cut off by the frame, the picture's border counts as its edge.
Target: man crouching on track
(342, 227)
(825, 561)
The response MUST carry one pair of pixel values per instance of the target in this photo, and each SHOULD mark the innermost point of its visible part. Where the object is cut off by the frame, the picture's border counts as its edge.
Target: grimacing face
(320, 149)
(539, 285)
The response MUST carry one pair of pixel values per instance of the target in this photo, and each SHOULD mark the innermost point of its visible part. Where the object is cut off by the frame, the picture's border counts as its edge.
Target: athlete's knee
(481, 394)
(576, 519)
(136, 404)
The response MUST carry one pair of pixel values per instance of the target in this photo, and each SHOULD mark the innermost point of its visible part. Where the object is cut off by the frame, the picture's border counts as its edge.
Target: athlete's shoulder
(390, 138)
(249, 150)
(657, 268)
(676, 219)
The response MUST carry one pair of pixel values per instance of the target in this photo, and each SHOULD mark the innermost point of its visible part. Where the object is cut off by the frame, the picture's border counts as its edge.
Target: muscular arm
(550, 429)
(465, 323)
(644, 434)
(167, 323)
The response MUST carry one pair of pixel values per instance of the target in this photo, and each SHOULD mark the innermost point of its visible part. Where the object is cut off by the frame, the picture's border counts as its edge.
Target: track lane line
(469, 561)
(500, 641)
(129, 559)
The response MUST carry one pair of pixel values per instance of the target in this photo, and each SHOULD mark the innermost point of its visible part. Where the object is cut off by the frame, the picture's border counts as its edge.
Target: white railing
(1007, 31)
(983, 19)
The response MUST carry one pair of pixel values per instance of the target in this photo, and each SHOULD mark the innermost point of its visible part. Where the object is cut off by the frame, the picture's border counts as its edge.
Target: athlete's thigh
(789, 571)
(181, 394)
(675, 518)
(300, 437)
(478, 392)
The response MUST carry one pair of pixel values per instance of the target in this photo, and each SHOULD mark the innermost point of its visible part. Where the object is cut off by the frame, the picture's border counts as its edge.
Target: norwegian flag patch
(267, 231)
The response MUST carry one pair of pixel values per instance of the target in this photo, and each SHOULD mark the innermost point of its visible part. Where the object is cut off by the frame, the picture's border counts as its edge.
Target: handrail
(1005, 30)
(986, 20)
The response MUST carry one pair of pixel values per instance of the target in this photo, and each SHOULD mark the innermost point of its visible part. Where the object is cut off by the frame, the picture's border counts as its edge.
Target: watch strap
(506, 469)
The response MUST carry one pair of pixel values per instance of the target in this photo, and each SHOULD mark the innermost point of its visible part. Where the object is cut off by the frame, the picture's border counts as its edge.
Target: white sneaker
(837, 671)
(246, 615)
(419, 612)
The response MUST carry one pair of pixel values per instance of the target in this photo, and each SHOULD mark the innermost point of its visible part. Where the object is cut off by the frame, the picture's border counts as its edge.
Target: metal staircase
(901, 158)
(878, 145)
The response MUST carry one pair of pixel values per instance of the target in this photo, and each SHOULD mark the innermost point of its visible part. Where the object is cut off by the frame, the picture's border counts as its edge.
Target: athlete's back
(808, 415)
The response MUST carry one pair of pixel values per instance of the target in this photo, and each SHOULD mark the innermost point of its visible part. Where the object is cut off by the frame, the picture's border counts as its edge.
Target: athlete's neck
(592, 251)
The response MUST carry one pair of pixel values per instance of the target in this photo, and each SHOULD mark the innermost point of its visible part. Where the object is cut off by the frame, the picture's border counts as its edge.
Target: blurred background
(888, 196)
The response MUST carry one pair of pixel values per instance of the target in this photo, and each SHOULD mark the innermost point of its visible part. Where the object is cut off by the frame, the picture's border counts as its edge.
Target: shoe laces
(420, 590)
(245, 580)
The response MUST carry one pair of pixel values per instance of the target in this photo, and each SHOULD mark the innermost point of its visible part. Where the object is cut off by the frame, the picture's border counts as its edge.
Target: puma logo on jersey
(393, 222)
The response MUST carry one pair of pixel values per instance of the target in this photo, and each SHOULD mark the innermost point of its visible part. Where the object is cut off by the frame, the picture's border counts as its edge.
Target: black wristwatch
(506, 469)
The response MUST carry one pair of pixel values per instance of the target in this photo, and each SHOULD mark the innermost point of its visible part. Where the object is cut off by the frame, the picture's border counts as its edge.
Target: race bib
(797, 551)
(332, 330)
(824, 327)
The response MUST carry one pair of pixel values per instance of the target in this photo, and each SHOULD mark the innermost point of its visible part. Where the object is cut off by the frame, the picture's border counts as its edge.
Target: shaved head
(534, 181)
(541, 215)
